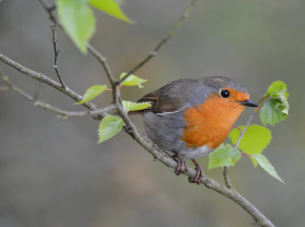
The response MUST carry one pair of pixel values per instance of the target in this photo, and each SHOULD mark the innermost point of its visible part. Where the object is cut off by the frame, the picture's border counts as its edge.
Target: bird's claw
(181, 165)
(199, 175)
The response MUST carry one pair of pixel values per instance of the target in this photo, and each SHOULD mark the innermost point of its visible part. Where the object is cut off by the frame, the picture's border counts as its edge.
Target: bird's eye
(225, 93)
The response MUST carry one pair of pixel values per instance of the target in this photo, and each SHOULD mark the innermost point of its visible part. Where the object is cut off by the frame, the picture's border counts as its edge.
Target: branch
(226, 177)
(226, 169)
(44, 79)
(249, 121)
(47, 7)
(104, 63)
(163, 41)
(101, 59)
(244, 130)
(63, 114)
(56, 53)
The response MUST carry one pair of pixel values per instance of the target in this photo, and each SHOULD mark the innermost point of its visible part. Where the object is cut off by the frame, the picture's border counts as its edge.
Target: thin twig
(56, 53)
(101, 59)
(52, 8)
(63, 114)
(226, 177)
(44, 79)
(163, 41)
(47, 6)
(244, 130)
(226, 169)
(104, 63)
(249, 121)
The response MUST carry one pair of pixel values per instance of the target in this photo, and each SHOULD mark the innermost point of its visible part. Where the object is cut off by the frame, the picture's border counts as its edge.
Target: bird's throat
(209, 124)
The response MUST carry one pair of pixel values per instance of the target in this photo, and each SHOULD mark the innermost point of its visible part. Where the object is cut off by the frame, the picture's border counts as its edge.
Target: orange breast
(210, 123)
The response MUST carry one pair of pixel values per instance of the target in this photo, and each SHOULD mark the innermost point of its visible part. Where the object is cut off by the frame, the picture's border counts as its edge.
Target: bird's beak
(248, 103)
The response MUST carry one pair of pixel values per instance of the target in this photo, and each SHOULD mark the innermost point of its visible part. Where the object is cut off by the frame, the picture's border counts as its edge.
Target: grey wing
(169, 98)
(163, 122)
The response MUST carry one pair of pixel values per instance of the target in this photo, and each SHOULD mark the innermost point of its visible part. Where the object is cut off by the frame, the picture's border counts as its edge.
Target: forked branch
(226, 169)
(49, 9)
(62, 114)
(56, 53)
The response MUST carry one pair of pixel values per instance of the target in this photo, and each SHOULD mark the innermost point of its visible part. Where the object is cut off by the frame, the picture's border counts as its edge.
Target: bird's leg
(181, 165)
(199, 173)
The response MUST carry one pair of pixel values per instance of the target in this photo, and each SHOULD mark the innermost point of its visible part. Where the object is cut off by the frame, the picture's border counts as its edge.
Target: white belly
(198, 152)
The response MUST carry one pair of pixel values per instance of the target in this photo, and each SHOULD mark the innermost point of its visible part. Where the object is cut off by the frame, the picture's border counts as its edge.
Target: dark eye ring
(225, 93)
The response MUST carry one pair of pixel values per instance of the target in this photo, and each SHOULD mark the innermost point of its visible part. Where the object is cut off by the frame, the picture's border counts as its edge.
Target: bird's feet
(181, 165)
(199, 174)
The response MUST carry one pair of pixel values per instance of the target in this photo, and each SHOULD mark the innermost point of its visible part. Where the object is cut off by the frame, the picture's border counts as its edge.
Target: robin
(192, 117)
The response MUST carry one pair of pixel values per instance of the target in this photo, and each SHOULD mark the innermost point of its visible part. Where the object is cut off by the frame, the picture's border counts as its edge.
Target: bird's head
(227, 93)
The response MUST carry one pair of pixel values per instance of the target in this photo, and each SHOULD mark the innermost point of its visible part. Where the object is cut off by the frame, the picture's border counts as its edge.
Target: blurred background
(54, 174)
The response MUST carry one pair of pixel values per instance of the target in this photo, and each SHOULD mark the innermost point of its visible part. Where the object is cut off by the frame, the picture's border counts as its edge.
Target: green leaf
(276, 87)
(266, 165)
(254, 141)
(110, 7)
(224, 156)
(133, 106)
(92, 92)
(270, 114)
(132, 80)
(109, 127)
(77, 20)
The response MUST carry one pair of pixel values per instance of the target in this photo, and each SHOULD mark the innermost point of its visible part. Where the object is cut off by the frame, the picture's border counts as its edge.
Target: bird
(192, 117)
